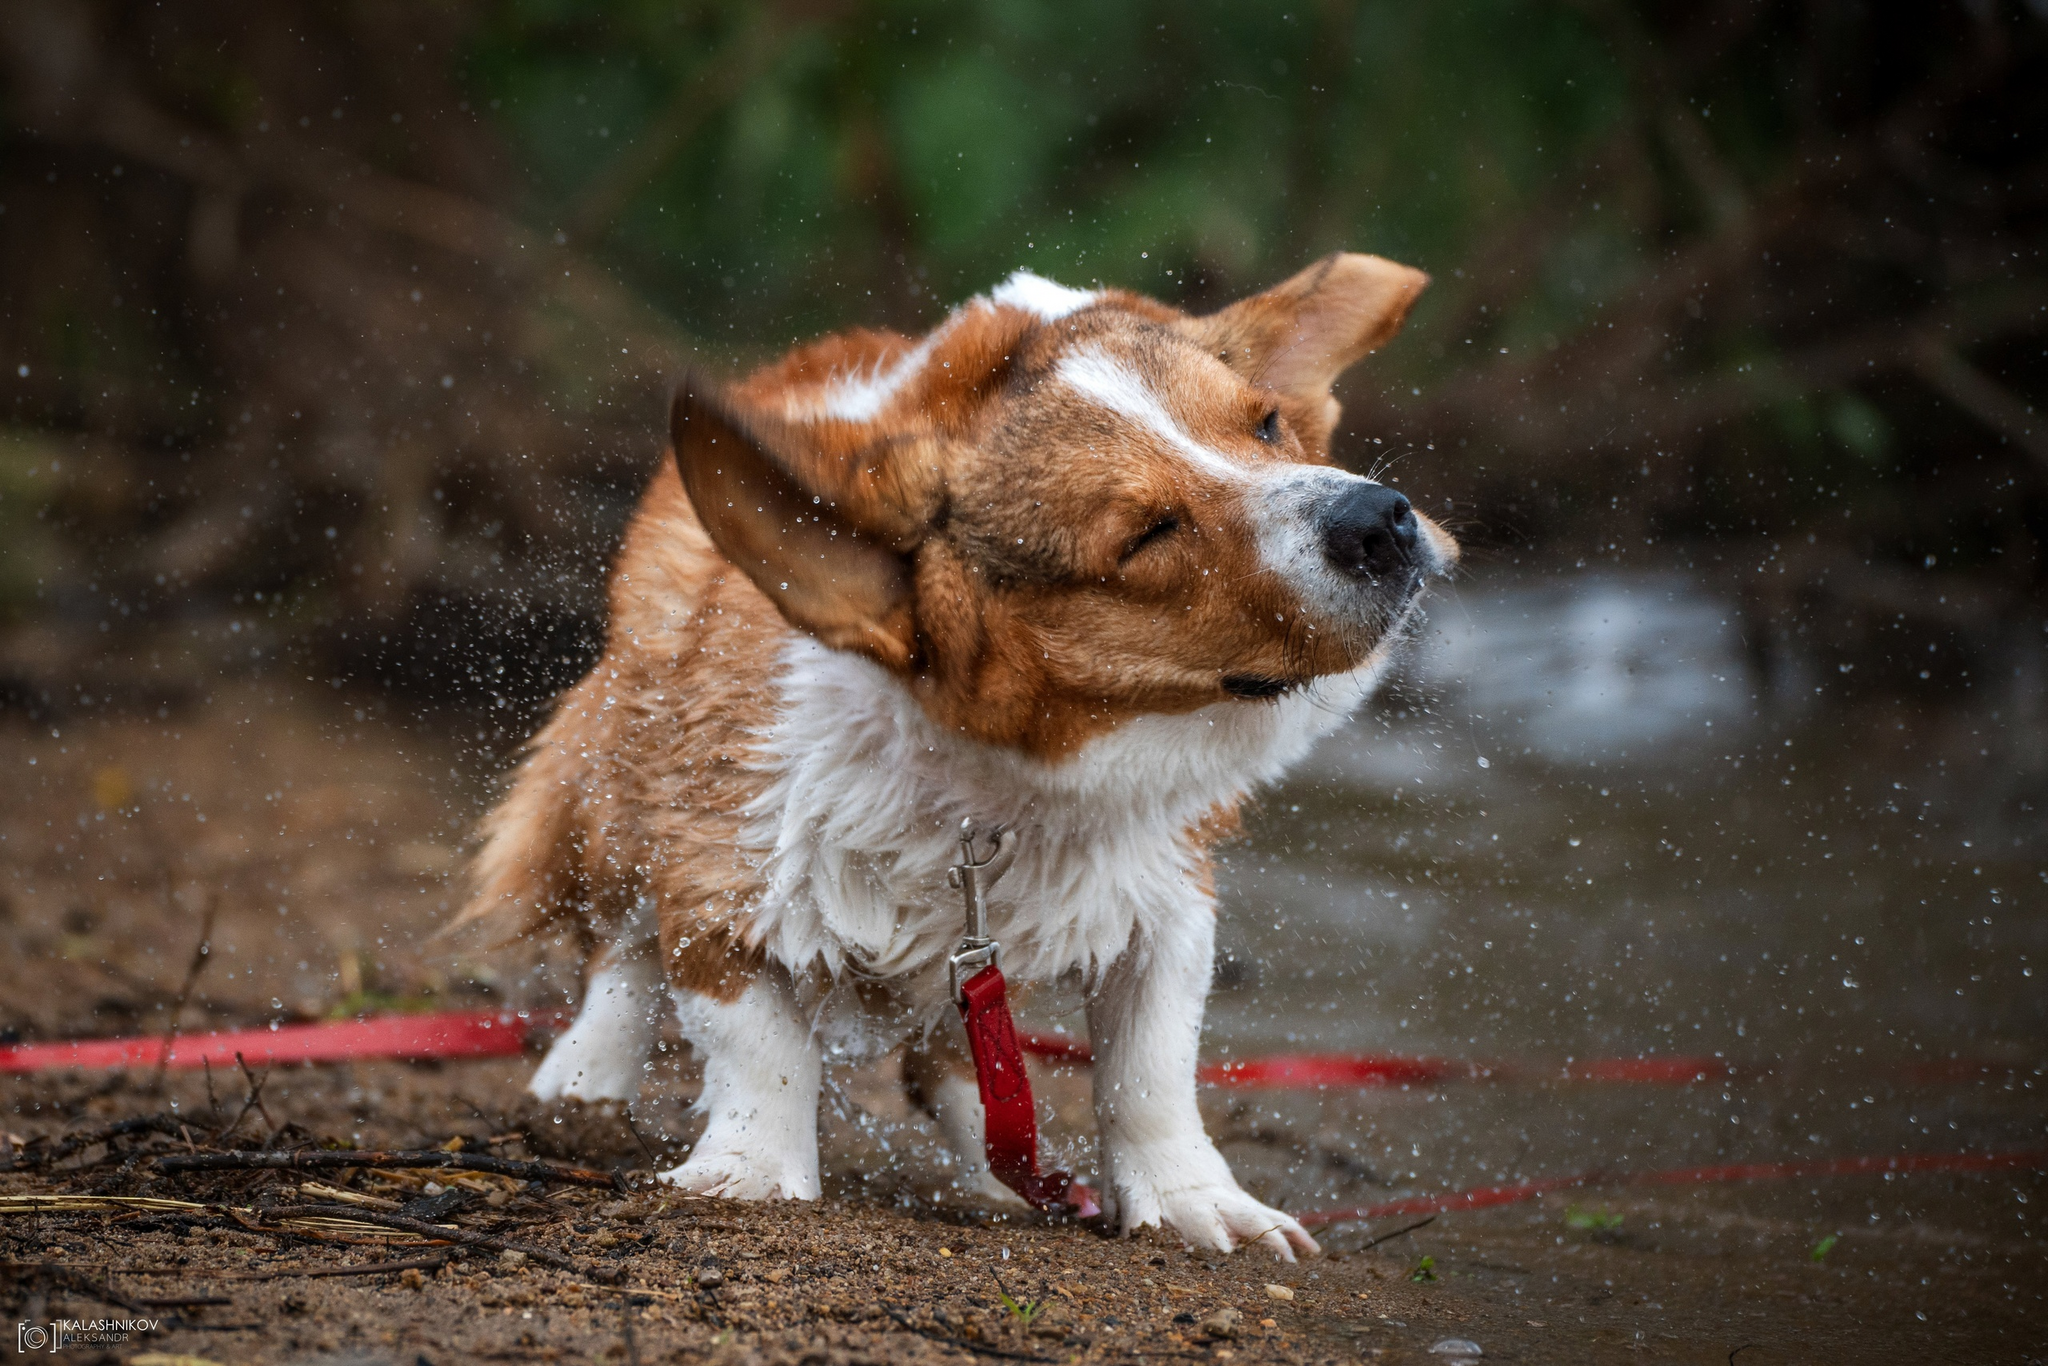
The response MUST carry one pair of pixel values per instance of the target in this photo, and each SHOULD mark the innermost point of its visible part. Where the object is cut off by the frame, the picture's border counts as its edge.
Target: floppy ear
(1298, 336)
(846, 586)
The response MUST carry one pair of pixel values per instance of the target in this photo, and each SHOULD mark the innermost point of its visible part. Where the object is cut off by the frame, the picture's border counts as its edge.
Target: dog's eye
(1158, 531)
(1269, 427)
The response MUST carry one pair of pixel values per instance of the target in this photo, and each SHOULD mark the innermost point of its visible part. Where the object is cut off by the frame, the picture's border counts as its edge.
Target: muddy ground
(314, 839)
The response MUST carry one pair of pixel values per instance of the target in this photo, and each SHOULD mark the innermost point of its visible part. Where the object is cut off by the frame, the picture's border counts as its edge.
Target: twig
(646, 1290)
(364, 1269)
(1983, 398)
(626, 1308)
(964, 1344)
(1389, 1237)
(652, 1160)
(314, 1159)
(255, 1085)
(544, 1256)
(434, 1263)
(81, 1284)
(26, 1161)
(202, 953)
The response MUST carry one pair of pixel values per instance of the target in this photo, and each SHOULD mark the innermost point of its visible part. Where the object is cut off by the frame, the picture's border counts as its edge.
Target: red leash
(1010, 1115)
(447, 1034)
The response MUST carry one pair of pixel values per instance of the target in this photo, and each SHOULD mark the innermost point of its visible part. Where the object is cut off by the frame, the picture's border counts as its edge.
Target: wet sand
(884, 1271)
(329, 838)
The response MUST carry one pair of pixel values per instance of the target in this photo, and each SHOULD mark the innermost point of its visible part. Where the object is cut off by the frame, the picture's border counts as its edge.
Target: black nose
(1369, 530)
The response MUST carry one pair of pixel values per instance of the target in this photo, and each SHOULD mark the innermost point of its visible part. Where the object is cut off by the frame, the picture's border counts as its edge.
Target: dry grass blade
(331, 1219)
(318, 1190)
(344, 1214)
(316, 1159)
(72, 1204)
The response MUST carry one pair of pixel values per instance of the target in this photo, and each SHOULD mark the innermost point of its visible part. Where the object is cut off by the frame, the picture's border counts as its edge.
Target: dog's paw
(1192, 1192)
(745, 1176)
(590, 1080)
(589, 1066)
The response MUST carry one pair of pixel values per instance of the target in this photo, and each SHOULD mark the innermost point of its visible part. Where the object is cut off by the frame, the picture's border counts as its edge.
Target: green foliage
(1822, 1248)
(1424, 1272)
(1179, 149)
(1859, 426)
(1591, 1221)
(1023, 1312)
(30, 482)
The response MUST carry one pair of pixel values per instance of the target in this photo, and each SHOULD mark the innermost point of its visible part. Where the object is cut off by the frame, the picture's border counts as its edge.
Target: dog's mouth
(1258, 687)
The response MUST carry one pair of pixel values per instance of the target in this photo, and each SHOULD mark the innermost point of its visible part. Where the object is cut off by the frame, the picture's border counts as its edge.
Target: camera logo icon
(33, 1337)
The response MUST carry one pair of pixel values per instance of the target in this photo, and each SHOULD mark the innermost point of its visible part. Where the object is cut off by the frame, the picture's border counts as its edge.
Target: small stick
(626, 1307)
(201, 954)
(964, 1344)
(27, 1160)
(652, 1160)
(646, 1290)
(315, 1159)
(1389, 1237)
(365, 1269)
(81, 1284)
(361, 1269)
(255, 1101)
(447, 1233)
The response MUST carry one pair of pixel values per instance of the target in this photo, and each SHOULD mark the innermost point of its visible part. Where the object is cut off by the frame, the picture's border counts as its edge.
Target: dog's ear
(848, 584)
(1298, 336)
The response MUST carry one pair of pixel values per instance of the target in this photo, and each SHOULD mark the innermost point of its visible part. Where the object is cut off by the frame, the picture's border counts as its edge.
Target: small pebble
(412, 1279)
(1279, 1292)
(710, 1278)
(945, 1252)
(511, 1257)
(433, 1188)
(1221, 1324)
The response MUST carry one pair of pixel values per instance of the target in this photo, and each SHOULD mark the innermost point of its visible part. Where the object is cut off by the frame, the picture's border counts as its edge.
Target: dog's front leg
(603, 1055)
(761, 1072)
(1145, 1018)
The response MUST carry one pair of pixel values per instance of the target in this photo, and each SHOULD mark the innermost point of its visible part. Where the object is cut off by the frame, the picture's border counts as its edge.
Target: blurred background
(369, 309)
(334, 347)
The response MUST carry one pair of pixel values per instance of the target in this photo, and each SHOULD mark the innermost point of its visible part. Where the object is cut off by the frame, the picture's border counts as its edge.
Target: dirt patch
(652, 1276)
(328, 841)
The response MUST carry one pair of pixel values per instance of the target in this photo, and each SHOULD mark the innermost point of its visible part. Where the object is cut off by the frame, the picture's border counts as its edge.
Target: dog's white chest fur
(863, 816)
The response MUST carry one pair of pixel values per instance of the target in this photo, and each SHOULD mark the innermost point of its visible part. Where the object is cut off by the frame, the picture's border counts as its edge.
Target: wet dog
(1075, 563)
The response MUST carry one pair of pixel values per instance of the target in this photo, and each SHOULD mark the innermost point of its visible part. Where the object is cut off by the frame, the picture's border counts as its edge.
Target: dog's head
(1063, 508)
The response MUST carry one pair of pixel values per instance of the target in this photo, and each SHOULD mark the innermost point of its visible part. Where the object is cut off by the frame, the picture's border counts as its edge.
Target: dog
(1075, 563)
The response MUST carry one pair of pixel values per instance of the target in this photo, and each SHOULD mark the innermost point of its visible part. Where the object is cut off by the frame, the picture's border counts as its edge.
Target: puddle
(1580, 830)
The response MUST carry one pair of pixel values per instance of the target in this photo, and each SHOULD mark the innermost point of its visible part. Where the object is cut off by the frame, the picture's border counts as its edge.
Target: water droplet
(1484, 762)
(1462, 1349)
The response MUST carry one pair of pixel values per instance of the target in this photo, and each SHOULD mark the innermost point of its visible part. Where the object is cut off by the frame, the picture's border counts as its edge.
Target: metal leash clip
(975, 878)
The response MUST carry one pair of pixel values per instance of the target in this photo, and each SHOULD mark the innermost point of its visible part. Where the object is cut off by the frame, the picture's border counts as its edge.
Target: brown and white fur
(1075, 563)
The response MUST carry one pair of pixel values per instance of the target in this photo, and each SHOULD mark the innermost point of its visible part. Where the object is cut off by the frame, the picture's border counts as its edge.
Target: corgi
(1075, 563)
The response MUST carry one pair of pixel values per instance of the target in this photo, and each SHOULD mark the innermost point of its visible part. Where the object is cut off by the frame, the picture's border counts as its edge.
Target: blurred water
(1581, 828)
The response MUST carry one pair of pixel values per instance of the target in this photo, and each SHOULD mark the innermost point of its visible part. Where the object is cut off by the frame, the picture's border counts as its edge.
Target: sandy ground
(328, 839)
